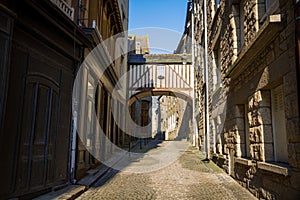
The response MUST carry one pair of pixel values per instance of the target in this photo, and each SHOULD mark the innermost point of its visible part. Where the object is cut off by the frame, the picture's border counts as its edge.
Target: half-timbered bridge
(160, 74)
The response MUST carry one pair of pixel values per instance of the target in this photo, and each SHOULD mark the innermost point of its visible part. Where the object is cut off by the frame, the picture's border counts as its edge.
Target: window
(272, 6)
(216, 67)
(237, 25)
(267, 8)
(242, 128)
(104, 108)
(213, 128)
(279, 127)
(90, 114)
(241, 23)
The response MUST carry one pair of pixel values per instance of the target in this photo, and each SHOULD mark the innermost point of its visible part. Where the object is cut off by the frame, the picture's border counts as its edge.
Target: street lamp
(160, 77)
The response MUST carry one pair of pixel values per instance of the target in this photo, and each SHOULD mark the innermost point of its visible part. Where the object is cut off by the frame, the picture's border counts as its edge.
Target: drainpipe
(193, 75)
(75, 102)
(73, 148)
(74, 118)
(73, 137)
(206, 81)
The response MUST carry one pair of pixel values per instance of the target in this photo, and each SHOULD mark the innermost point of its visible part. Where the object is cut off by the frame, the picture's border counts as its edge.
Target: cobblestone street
(186, 178)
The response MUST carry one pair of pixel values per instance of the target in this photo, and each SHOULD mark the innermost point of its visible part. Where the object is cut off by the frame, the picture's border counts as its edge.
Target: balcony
(64, 7)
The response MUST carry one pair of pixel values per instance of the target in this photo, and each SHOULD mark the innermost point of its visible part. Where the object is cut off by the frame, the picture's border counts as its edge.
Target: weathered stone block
(251, 152)
(269, 152)
(267, 133)
(291, 106)
(238, 151)
(283, 47)
(261, 153)
(291, 149)
(252, 135)
(226, 151)
(292, 156)
(256, 156)
(297, 147)
(256, 152)
(257, 96)
(295, 180)
(257, 135)
(250, 103)
(290, 83)
(264, 116)
(254, 119)
(243, 149)
(237, 137)
(240, 124)
(241, 139)
(270, 57)
(265, 97)
(239, 111)
(298, 159)
(293, 130)
(250, 119)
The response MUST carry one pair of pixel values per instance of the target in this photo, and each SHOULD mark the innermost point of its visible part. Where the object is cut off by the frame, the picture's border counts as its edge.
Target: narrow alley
(187, 178)
(131, 99)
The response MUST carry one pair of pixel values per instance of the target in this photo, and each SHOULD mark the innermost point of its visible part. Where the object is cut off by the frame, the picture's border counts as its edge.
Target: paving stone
(69, 192)
(189, 177)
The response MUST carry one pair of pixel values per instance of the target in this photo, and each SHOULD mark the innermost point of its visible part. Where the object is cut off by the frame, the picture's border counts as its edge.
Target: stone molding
(273, 168)
(243, 161)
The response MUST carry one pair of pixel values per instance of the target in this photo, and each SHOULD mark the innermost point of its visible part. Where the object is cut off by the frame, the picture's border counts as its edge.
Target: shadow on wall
(185, 130)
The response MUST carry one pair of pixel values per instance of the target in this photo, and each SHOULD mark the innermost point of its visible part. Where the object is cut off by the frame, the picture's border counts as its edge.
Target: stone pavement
(188, 177)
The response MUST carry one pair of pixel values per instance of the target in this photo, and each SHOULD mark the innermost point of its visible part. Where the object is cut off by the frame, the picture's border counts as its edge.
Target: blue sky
(168, 15)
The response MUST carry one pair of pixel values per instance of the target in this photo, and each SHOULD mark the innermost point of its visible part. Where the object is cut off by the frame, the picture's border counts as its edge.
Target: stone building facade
(104, 30)
(253, 92)
(140, 110)
(172, 110)
(138, 44)
(43, 44)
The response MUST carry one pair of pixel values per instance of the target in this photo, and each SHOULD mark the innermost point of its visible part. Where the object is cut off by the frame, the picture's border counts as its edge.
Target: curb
(71, 192)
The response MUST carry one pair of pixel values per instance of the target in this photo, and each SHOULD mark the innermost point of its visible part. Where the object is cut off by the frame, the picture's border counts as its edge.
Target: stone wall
(250, 20)
(257, 55)
(260, 126)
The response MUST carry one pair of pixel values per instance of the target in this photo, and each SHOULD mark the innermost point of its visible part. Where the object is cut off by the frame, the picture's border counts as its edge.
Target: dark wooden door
(36, 137)
(39, 133)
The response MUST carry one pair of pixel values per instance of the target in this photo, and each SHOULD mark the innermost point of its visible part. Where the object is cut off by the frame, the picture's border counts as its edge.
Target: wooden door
(36, 137)
(39, 133)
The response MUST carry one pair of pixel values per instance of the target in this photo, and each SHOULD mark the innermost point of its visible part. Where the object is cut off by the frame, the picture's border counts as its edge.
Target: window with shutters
(279, 127)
